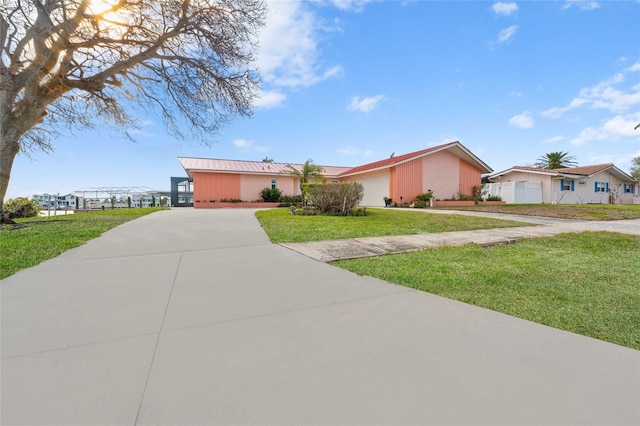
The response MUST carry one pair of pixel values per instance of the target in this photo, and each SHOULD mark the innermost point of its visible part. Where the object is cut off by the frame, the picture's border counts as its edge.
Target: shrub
(291, 198)
(20, 207)
(459, 196)
(425, 197)
(231, 200)
(307, 188)
(494, 198)
(476, 192)
(420, 204)
(357, 211)
(271, 195)
(335, 198)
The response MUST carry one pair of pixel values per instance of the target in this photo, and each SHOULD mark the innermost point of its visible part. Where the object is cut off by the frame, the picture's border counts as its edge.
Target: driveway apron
(193, 317)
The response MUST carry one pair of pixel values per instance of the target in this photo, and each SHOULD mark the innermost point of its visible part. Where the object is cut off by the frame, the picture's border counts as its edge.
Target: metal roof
(215, 165)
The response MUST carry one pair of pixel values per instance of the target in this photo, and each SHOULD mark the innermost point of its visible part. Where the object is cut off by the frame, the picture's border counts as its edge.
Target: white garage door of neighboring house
(375, 189)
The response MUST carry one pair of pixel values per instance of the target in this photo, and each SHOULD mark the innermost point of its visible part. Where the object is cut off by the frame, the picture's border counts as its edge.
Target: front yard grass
(44, 238)
(283, 227)
(586, 283)
(564, 211)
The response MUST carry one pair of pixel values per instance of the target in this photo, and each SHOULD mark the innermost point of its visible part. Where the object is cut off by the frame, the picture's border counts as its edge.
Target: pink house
(445, 169)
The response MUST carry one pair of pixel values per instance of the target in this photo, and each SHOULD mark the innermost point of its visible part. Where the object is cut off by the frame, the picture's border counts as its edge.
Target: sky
(348, 82)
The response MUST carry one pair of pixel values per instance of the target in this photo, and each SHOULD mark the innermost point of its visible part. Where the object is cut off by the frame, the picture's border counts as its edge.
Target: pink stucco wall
(470, 176)
(441, 174)
(252, 185)
(407, 180)
(208, 187)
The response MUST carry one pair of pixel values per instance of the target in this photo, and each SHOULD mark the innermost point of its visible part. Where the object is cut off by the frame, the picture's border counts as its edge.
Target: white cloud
(506, 34)
(555, 139)
(354, 150)
(522, 121)
(588, 134)
(141, 129)
(503, 8)
(269, 99)
(247, 145)
(620, 160)
(581, 4)
(365, 104)
(288, 54)
(602, 96)
(634, 67)
(611, 129)
(354, 5)
(348, 150)
(242, 143)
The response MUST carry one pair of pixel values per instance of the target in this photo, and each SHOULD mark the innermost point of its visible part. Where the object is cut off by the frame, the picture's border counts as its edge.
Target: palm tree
(308, 172)
(556, 160)
(635, 168)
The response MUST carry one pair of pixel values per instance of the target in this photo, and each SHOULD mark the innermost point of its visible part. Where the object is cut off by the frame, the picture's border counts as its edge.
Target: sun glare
(100, 6)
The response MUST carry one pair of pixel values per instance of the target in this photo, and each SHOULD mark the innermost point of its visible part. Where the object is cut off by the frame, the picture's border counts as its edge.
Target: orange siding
(214, 186)
(407, 182)
(469, 177)
(392, 185)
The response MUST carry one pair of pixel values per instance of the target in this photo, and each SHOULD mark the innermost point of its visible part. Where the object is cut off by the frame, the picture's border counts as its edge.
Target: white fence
(517, 192)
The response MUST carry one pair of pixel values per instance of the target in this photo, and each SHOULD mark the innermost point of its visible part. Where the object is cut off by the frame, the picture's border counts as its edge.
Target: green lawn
(44, 238)
(586, 283)
(283, 227)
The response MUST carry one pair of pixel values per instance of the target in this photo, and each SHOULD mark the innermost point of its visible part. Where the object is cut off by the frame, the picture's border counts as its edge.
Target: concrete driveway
(193, 317)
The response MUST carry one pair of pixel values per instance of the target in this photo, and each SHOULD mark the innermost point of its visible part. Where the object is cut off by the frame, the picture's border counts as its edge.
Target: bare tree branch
(67, 63)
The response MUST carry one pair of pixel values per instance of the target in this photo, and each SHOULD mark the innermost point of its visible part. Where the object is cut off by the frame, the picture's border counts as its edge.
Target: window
(567, 185)
(628, 188)
(602, 187)
(274, 183)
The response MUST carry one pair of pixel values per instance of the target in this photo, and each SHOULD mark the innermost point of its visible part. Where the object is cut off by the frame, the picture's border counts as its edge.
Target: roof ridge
(400, 158)
(261, 162)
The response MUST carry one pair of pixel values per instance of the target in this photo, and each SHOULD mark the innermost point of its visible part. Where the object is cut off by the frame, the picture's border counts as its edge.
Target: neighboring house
(57, 201)
(445, 169)
(597, 184)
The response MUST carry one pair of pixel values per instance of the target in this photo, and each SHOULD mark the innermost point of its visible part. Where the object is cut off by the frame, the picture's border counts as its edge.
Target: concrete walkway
(353, 248)
(193, 317)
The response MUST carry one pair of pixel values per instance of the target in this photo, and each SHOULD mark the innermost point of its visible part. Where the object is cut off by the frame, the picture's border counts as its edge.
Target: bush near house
(272, 195)
(425, 197)
(335, 198)
(19, 208)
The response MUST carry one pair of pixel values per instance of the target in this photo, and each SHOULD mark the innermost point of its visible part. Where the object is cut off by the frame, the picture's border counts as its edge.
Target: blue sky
(350, 82)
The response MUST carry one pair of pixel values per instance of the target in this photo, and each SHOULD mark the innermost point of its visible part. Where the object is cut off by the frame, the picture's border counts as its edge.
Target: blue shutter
(561, 184)
(573, 186)
(595, 186)
(606, 189)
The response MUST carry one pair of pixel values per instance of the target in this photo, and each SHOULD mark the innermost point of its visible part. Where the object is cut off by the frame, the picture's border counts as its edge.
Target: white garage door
(375, 188)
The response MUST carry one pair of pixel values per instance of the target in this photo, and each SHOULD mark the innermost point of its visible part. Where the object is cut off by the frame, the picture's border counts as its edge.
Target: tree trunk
(9, 148)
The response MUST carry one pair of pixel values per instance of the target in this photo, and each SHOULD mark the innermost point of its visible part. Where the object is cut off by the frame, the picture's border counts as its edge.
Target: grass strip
(585, 283)
(283, 227)
(563, 211)
(44, 238)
